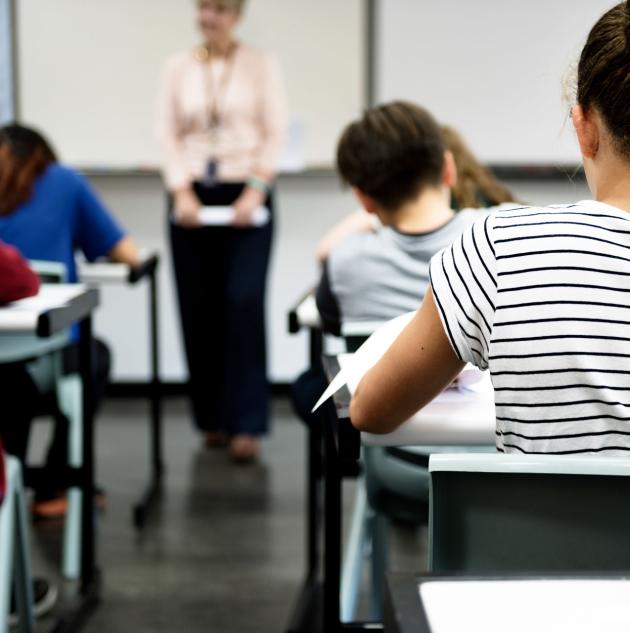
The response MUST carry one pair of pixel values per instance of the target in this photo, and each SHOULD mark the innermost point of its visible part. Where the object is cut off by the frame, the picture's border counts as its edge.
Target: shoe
(44, 599)
(56, 507)
(215, 439)
(244, 449)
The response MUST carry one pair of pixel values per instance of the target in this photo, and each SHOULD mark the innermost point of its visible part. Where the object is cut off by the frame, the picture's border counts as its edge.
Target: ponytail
(604, 73)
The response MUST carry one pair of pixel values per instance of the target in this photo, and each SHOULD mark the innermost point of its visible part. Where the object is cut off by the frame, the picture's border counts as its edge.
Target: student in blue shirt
(48, 211)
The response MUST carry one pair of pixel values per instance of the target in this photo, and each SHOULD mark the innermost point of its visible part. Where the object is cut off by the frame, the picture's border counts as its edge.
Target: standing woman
(221, 124)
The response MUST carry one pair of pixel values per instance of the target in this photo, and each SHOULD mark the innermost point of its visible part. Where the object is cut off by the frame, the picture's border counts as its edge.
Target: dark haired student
(399, 168)
(537, 295)
(47, 211)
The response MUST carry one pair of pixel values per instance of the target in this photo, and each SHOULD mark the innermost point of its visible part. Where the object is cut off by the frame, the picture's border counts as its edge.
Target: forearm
(415, 369)
(125, 251)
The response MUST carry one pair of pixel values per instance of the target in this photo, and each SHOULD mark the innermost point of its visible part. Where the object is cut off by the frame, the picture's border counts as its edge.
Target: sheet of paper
(366, 356)
(23, 315)
(223, 216)
(523, 606)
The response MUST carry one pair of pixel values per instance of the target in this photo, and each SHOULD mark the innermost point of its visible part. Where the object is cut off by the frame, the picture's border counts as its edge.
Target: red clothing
(17, 280)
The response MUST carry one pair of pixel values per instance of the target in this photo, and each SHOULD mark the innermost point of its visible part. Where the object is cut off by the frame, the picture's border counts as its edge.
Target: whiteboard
(493, 69)
(89, 70)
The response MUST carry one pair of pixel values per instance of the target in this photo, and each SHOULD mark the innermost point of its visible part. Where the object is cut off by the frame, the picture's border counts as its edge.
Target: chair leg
(70, 403)
(380, 559)
(15, 563)
(352, 570)
(22, 561)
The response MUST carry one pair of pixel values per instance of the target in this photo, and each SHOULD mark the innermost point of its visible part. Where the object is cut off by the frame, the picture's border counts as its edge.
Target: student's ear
(449, 170)
(367, 202)
(587, 130)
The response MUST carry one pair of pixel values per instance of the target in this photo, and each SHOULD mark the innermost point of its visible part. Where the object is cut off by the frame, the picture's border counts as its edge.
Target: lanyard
(215, 94)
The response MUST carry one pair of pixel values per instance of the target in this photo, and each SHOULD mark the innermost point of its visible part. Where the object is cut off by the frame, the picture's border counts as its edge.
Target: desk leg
(332, 524)
(88, 526)
(152, 492)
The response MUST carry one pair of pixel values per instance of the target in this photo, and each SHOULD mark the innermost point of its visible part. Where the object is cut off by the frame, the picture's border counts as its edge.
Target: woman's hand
(245, 206)
(186, 207)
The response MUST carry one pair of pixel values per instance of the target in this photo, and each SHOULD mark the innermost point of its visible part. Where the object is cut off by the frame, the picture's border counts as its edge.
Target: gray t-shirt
(378, 276)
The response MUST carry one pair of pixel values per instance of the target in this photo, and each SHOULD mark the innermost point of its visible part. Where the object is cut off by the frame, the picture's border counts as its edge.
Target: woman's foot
(244, 449)
(215, 439)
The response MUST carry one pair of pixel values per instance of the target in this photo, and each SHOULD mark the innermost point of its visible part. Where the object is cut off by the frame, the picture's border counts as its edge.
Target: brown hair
(476, 186)
(24, 155)
(391, 153)
(604, 73)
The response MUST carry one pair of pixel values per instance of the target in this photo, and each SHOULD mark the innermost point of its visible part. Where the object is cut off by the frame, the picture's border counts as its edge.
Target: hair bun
(627, 29)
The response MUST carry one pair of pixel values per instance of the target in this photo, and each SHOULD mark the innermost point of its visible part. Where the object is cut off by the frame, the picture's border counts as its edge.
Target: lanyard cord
(216, 97)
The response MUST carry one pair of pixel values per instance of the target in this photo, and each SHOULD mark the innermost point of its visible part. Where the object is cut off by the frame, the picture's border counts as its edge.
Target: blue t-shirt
(62, 215)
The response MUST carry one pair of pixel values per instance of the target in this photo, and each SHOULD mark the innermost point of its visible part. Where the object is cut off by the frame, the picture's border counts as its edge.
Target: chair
(15, 563)
(45, 367)
(394, 485)
(494, 514)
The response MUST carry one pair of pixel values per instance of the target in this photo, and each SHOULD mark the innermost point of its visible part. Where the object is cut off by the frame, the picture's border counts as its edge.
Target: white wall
(307, 204)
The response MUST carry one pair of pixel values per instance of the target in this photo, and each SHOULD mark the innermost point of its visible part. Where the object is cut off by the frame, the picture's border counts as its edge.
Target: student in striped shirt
(540, 296)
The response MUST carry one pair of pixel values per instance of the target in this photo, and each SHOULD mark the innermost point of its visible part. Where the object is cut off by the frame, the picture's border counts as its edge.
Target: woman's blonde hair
(234, 5)
(476, 185)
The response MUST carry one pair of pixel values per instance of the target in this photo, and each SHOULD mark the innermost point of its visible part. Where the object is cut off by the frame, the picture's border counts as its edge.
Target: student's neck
(428, 212)
(613, 185)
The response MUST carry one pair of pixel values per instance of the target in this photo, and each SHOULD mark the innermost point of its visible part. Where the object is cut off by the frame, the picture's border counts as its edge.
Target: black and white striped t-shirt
(541, 297)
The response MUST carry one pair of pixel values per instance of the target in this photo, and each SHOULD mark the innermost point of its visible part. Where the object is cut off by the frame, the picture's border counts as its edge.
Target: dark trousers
(221, 276)
(22, 401)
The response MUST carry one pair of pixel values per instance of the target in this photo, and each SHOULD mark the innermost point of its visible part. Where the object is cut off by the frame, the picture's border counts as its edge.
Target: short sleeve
(97, 232)
(464, 284)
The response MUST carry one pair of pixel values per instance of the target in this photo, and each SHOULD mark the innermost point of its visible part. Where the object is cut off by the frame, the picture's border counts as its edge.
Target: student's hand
(186, 207)
(125, 251)
(245, 206)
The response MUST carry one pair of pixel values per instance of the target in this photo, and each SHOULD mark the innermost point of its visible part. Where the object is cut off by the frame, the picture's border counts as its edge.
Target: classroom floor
(223, 554)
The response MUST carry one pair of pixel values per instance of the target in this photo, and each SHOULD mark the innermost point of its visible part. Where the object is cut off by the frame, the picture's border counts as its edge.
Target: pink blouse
(250, 100)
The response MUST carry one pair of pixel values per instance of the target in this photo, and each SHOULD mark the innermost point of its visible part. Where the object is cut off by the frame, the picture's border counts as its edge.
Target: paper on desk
(494, 606)
(366, 356)
(224, 216)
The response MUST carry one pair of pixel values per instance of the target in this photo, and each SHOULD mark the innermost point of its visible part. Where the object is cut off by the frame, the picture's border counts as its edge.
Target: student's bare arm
(125, 251)
(416, 368)
(357, 222)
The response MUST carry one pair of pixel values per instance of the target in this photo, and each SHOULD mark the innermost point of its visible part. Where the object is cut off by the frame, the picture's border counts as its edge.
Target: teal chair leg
(352, 568)
(15, 562)
(69, 394)
(380, 561)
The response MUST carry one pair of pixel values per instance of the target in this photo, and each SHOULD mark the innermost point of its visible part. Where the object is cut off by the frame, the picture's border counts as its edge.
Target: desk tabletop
(104, 272)
(457, 416)
(545, 604)
(54, 308)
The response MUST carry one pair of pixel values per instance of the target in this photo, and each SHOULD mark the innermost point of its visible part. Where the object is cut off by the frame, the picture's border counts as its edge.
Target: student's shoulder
(355, 247)
(62, 176)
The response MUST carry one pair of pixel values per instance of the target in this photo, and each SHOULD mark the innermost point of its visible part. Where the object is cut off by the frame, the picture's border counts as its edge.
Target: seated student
(18, 281)
(47, 211)
(537, 295)
(475, 187)
(396, 162)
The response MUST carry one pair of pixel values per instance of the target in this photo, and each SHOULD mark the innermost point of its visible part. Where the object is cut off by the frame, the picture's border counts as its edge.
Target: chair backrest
(494, 514)
(3, 474)
(49, 272)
